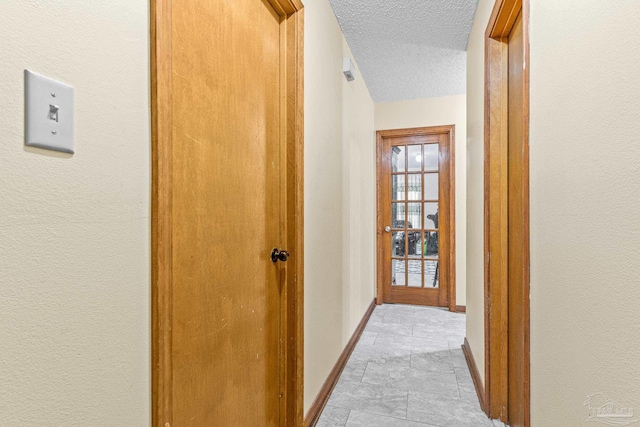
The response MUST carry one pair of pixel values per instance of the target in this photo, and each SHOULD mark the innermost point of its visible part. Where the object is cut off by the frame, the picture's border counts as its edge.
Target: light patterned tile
(446, 411)
(393, 329)
(363, 419)
(457, 358)
(410, 379)
(432, 360)
(412, 343)
(333, 417)
(382, 355)
(445, 332)
(407, 370)
(367, 338)
(353, 371)
(370, 398)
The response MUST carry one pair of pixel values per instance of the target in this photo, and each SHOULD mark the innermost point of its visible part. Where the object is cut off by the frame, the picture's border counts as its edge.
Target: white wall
(339, 197)
(74, 257)
(475, 183)
(585, 185)
(448, 110)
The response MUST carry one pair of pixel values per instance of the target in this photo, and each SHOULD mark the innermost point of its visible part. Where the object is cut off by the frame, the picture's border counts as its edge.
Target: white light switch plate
(48, 113)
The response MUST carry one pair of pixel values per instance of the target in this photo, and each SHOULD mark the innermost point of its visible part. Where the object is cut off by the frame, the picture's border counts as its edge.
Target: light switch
(48, 113)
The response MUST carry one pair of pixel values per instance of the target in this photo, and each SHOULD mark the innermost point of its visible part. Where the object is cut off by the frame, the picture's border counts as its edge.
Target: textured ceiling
(408, 49)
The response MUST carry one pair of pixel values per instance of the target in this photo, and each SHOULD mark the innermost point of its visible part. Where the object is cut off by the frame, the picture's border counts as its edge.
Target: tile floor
(407, 370)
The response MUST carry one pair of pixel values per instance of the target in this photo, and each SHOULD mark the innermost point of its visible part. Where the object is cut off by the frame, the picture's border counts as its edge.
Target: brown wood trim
(526, 233)
(503, 17)
(496, 309)
(379, 222)
(292, 13)
(325, 392)
(452, 219)
(423, 131)
(496, 190)
(448, 130)
(286, 7)
(461, 308)
(475, 374)
(294, 378)
(161, 235)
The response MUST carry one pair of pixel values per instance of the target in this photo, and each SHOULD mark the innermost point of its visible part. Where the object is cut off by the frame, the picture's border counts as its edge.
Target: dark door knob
(277, 255)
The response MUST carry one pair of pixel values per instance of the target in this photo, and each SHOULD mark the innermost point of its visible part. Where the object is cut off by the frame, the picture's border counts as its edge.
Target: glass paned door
(413, 207)
(415, 190)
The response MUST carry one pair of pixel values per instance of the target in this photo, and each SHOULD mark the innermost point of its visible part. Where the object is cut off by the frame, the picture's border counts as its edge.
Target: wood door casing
(507, 345)
(227, 178)
(444, 295)
(516, 226)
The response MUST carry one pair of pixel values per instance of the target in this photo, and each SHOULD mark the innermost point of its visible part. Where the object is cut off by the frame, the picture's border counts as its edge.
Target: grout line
(390, 416)
(365, 371)
(348, 416)
(406, 411)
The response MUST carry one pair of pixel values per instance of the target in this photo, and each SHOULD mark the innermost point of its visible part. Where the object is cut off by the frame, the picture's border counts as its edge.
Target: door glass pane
(431, 244)
(397, 244)
(398, 158)
(431, 186)
(415, 274)
(414, 187)
(430, 159)
(431, 215)
(415, 244)
(397, 187)
(397, 215)
(431, 274)
(415, 158)
(397, 272)
(414, 219)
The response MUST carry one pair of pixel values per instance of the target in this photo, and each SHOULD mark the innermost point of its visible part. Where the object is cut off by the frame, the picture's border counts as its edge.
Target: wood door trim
(292, 22)
(449, 130)
(496, 308)
(325, 392)
(475, 373)
(286, 7)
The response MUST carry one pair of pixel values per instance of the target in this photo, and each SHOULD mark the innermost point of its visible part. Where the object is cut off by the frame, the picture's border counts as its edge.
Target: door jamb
(496, 307)
(394, 133)
(292, 66)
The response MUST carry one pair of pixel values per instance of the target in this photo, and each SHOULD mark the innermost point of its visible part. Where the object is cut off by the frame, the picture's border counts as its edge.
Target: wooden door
(516, 225)
(415, 216)
(226, 181)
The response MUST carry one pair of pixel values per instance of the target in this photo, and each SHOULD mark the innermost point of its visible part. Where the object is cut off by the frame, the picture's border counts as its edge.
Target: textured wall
(74, 258)
(475, 183)
(436, 112)
(408, 49)
(339, 197)
(585, 232)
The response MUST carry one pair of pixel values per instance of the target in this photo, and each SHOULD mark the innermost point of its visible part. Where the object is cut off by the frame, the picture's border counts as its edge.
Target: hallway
(407, 370)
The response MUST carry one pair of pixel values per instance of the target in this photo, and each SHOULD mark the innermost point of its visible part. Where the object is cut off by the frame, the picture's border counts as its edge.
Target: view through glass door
(415, 215)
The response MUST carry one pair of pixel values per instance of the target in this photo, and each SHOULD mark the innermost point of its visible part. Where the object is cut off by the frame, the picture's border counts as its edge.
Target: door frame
(496, 308)
(292, 134)
(448, 130)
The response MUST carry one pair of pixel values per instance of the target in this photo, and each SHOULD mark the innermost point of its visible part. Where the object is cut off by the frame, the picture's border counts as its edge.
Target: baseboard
(461, 308)
(323, 396)
(475, 374)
